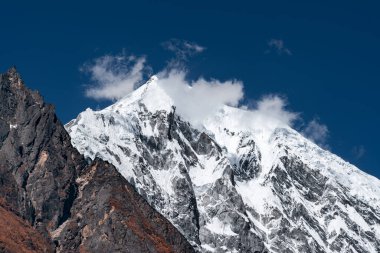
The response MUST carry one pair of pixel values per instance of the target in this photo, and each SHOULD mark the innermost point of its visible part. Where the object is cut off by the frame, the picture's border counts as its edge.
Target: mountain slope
(16, 235)
(233, 187)
(48, 190)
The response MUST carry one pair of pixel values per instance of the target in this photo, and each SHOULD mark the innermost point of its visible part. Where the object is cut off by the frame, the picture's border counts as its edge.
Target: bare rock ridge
(51, 200)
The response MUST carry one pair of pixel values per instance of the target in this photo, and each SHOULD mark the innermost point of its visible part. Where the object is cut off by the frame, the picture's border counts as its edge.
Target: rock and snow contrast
(51, 200)
(229, 186)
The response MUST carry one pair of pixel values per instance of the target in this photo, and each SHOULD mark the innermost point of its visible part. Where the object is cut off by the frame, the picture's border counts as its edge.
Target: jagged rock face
(230, 188)
(316, 209)
(36, 158)
(71, 205)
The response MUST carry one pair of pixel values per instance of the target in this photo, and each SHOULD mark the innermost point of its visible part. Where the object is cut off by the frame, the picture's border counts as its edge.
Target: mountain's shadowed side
(51, 200)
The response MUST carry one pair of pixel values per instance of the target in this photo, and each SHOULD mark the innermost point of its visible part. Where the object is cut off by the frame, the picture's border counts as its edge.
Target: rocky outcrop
(51, 191)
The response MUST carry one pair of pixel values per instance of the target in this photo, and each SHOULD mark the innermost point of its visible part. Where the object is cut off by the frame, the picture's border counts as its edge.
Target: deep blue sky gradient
(333, 73)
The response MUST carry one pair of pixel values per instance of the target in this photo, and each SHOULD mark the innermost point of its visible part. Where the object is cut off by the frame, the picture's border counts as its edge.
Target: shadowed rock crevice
(68, 203)
(171, 122)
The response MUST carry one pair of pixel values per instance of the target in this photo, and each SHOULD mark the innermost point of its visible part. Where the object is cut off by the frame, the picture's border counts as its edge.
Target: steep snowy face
(234, 187)
(303, 198)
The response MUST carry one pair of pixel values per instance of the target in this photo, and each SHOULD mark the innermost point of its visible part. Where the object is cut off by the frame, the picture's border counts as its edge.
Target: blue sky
(322, 56)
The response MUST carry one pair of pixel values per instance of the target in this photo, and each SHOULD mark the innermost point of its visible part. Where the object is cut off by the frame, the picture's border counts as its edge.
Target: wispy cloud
(182, 50)
(114, 76)
(317, 132)
(278, 46)
(358, 151)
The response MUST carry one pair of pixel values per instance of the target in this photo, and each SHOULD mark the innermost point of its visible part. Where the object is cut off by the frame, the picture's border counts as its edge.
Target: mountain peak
(13, 77)
(12, 70)
(151, 95)
(241, 182)
(153, 78)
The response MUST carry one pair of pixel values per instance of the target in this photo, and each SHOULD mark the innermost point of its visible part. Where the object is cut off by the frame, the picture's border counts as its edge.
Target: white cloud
(274, 107)
(269, 113)
(278, 46)
(114, 77)
(195, 100)
(317, 132)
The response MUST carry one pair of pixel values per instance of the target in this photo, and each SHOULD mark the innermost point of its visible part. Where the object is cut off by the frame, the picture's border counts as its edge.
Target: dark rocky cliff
(51, 192)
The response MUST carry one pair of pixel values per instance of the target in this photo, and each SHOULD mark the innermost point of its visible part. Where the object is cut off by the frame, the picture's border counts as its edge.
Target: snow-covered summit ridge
(158, 94)
(151, 95)
(264, 127)
(271, 136)
(233, 180)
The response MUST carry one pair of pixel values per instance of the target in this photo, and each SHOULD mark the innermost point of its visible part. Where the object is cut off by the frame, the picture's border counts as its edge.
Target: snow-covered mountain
(230, 187)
